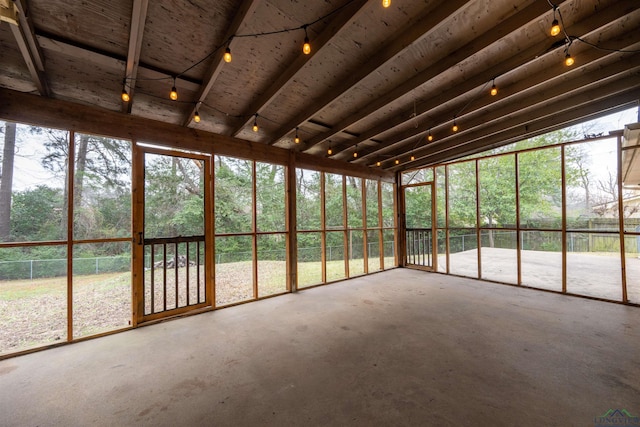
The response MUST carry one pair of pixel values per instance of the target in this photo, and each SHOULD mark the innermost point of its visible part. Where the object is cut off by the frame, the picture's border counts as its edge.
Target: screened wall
(69, 231)
(546, 218)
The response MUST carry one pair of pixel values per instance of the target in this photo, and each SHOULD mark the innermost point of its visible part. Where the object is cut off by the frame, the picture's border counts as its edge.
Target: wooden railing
(419, 247)
(174, 273)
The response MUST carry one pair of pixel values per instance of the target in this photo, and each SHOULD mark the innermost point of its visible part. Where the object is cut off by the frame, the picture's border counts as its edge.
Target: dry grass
(34, 312)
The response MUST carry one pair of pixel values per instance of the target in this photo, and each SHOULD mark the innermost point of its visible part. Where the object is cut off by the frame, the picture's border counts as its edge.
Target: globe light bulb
(227, 55)
(494, 90)
(196, 117)
(174, 94)
(306, 47)
(329, 151)
(568, 60)
(430, 137)
(125, 96)
(386, 3)
(555, 28)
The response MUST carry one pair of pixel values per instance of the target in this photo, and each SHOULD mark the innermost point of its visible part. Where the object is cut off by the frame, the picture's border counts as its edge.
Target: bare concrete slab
(402, 347)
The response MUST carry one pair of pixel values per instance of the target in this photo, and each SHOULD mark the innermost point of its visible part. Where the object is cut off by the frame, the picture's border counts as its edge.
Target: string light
(397, 162)
(329, 151)
(355, 154)
(455, 126)
(555, 27)
(494, 89)
(413, 158)
(386, 3)
(429, 137)
(255, 123)
(306, 47)
(297, 138)
(125, 95)
(174, 93)
(196, 117)
(568, 60)
(377, 163)
(227, 55)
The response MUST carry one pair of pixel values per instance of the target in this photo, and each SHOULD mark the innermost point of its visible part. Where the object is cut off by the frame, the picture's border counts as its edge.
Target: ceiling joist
(424, 26)
(24, 35)
(138, 18)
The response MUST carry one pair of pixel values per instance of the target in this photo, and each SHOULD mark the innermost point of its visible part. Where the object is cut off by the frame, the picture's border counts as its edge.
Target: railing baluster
(188, 284)
(164, 275)
(198, 268)
(176, 264)
(153, 278)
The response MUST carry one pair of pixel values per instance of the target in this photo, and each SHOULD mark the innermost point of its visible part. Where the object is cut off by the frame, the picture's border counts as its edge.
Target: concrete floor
(401, 347)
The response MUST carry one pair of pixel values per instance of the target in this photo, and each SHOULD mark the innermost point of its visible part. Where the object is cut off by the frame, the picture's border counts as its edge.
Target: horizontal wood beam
(448, 60)
(424, 26)
(39, 111)
(584, 28)
(618, 92)
(514, 99)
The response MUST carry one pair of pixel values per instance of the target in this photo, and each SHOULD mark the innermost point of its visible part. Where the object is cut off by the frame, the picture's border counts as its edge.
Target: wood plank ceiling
(378, 80)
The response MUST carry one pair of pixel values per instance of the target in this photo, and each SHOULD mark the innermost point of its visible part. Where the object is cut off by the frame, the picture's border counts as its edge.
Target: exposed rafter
(536, 96)
(282, 79)
(138, 18)
(26, 39)
(501, 29)
(573, 115)
(606, 17)
(419, 30)
(246, 9)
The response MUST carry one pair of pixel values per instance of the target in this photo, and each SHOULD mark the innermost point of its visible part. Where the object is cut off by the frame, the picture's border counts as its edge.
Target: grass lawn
(34, 312)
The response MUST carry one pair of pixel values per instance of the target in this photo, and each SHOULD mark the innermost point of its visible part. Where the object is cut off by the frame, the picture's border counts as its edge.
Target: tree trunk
(6, 183)
(81, 166)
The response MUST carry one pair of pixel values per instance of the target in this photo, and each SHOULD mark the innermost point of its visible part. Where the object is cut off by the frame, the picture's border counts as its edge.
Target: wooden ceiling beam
(520, 95)
(500, 30)
(598, 108)
(617, 92)
(32, 109)
(138, 18)
(430, 20)
(29, 48)
(628, 40)
(584, 28)
(281, 80)
(482, 124)
(246, 9)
